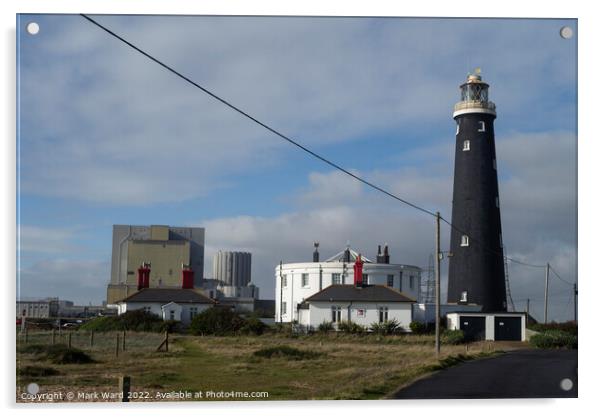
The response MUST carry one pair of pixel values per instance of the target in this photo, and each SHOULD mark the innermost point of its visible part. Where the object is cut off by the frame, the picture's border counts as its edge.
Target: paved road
(517, 374)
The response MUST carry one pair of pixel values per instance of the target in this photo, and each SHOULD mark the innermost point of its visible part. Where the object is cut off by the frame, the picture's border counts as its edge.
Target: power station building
(167, 250)
(321, 286)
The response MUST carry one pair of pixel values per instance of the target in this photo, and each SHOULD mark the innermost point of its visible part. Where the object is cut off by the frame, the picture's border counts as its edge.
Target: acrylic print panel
(246, 208)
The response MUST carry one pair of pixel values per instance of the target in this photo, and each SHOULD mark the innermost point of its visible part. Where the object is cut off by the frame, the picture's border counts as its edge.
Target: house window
(361, 312)
(390, 280)
(336, 314)
(284, 281)
(336, 279)
(383, 314)
(146, 309)
(481, 126)
(283, 307)
(172, 314)
(466, 146)
(411, 282)
(364, 279)
(464, 240)
(193, 312)
(305, 280)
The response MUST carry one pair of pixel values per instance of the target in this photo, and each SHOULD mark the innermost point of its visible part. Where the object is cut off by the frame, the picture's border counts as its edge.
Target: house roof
(363, 293)
(167, 295)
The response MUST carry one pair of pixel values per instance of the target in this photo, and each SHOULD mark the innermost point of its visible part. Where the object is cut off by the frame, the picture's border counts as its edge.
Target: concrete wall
(232, 268)
(166, 258)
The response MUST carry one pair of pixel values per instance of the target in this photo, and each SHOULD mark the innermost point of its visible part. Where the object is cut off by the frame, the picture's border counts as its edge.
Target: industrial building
(165, 248)
(38, 309)
(298, 283)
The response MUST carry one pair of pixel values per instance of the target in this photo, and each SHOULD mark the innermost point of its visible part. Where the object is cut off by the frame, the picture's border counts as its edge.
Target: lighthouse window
(390, 280)
(457, 128)
(336, 279)
(466, 145)
(464, 240)
(305, 280)
(464, 297)
(481, 126)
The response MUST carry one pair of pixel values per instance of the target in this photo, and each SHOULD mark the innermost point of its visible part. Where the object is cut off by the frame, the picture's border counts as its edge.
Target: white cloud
(44, 240)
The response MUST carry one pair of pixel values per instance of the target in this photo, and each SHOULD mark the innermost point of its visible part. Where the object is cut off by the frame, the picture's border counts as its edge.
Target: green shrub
(554, 339)
(386, 327)
(216, 321)
(59, 354)
(569, 327)
(37, 371)
(325, 327)
(351, 327)
(453, 337)
(133, 320)
(253, 325)
(418, 327)
(287, 352)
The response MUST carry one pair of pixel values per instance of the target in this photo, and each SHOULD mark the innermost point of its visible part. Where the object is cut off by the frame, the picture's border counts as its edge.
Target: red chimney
(357, 271)
(143, 276)
(187, 277)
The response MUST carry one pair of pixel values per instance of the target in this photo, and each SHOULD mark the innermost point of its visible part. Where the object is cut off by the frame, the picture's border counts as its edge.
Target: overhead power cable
(290, 140)
(559, 277)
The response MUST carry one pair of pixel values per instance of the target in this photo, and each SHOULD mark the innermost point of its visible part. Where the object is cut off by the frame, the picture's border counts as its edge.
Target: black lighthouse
(476, 269)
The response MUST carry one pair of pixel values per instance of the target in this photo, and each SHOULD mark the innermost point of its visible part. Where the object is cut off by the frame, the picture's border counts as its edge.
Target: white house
(168, 303)
(361, 304)
(296, 282)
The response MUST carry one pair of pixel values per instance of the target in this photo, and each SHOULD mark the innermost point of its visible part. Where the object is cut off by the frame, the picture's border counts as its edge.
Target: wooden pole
(437, 287)
(26, 335)
(124, 387)
(123, 342)
(92, 338)
(166, 341)
(69, 340)
(53, 336)
(117, 345)
(575, 302)
(545, 310)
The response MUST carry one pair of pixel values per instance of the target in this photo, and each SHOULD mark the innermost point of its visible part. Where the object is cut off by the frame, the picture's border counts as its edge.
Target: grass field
(326, 366)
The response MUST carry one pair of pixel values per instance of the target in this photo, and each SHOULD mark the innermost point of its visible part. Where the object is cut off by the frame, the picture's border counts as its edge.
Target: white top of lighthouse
(474, 96)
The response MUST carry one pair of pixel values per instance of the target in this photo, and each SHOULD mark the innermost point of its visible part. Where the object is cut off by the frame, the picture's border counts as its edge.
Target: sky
(107, 137)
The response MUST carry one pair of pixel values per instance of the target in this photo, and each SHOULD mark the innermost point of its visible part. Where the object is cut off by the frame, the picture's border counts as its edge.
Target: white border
(589, 66)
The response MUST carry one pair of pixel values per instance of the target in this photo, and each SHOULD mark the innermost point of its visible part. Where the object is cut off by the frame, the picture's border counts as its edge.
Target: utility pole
(575, 302)
(528, 302)
(545, 308)
(437, 286)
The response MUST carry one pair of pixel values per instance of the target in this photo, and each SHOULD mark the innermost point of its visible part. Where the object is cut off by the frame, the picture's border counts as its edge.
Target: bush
(58, 354)
(133, 320)
(569, 327)
(216, 321)
(554, 339)
(37, 371)
(453, 337)
(325, 327)
(351, 327)
(287, 352)
(253, 325)
(418, 327)
(387, 327)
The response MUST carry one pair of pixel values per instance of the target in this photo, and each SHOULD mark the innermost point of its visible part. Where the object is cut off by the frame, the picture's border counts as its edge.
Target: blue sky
(106, 137)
